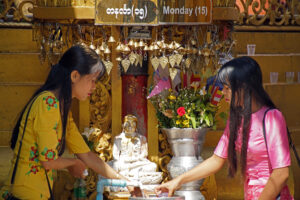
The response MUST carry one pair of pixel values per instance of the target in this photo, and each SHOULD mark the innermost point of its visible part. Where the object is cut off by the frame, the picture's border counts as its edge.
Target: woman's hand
(135, 191)
(168, 187)
(77, 169)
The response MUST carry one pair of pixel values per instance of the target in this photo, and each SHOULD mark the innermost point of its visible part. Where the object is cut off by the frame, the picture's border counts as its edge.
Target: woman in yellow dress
(49, 127)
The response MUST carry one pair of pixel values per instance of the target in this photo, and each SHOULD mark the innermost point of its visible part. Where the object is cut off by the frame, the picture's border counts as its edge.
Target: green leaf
(207, 121)
(193, 122)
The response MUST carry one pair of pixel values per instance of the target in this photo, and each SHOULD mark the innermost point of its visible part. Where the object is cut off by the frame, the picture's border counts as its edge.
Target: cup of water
(251, 49)
(289, 77)
(273, 77)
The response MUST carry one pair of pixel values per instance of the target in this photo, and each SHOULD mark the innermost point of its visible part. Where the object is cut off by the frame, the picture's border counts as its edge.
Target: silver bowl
(158, 198)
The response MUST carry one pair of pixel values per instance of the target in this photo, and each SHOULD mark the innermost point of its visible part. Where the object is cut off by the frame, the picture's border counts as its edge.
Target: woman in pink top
(264, 167)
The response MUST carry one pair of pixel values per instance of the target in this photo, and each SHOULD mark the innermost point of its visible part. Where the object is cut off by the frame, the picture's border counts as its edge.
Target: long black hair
(244, 78)
(80, 58)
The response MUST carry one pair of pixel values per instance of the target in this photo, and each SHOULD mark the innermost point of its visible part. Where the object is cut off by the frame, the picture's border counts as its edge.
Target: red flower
(181, 111)
(34, 169)
(50, 155)
(50, 101)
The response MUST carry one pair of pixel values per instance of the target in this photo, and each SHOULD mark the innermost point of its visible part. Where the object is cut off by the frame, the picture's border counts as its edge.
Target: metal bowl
(158, 198)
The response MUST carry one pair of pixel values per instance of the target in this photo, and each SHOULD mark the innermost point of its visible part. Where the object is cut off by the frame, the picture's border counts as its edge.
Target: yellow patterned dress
(41, 139)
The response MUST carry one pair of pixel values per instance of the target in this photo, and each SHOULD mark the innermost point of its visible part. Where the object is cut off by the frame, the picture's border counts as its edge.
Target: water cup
(289, 77)
(273, 77)
(251, 49)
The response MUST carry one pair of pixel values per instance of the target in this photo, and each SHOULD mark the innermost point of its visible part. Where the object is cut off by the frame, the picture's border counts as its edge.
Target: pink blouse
(260, 162)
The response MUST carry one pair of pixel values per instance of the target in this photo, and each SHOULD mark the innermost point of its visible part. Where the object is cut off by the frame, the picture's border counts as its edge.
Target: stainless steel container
(158, 198)
(186, 144)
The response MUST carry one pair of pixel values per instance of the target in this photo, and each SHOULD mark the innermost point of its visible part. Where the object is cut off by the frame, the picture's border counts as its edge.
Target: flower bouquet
(185, 108)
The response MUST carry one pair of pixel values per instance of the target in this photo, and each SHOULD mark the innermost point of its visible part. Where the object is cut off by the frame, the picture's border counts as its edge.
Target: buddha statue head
(130, 125)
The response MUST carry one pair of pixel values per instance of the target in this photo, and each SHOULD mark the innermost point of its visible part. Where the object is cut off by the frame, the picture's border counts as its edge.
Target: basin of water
(158, 198)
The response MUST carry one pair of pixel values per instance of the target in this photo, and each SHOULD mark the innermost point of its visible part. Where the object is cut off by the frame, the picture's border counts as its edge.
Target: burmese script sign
(126, 12)
(153, 12)
(185, 12)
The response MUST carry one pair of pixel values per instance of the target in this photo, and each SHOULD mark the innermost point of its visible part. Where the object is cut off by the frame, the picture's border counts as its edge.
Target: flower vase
(186, 145)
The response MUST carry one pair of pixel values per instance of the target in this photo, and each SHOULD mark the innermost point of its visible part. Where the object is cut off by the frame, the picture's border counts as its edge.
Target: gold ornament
(131, 43)
(137, 60)
(173, 72)
(119, 47)
(140, 60)
(151, 48)
(132, 57)
(188, 63)
(126, 49)
(172, 60)
(155, 62)
(141, 43)
(102, 47)
(125, 64)
(176, 45)
(163, 61)
(92, 47)
(111, 39)
(107, 50)
(108, 66)
(178, 58)
(155, 47)
(171, 45)
(206, 52)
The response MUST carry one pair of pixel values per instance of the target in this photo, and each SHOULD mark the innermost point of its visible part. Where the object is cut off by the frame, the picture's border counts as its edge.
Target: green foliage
(187, 108)
(88, 142)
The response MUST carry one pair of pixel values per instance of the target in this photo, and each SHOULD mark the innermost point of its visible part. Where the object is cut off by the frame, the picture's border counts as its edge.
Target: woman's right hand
(168, 187)
(77, 168)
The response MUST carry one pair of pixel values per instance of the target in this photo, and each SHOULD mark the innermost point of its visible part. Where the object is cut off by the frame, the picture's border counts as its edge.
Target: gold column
(152, 124)
(116, 88)
(84, 114)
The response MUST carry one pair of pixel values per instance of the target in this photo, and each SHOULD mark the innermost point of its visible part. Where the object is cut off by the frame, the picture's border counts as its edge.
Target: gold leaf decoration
(141, 60)
(136, 62)
(178, 58)
(163, 61)
(188, 63)
(108, 66)
(125, 64)
(132, 57)
(172, 60)
(173, 72)
(155, 62)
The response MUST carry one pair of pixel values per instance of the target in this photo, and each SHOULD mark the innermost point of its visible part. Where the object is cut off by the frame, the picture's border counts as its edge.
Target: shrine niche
(130, 54)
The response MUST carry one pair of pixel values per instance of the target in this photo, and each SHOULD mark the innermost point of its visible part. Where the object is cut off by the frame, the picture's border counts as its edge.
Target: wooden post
(153, 148)
(116, 88)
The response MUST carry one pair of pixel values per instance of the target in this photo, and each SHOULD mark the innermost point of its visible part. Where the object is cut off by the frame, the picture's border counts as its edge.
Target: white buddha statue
(130, 151)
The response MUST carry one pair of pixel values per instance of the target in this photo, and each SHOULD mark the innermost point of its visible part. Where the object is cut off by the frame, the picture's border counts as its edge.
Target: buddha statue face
(130, 125)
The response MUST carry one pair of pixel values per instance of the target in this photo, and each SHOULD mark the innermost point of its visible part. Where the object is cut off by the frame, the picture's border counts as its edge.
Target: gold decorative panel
(268, 12)
(165, 155)
(64, 3)
(20, 10)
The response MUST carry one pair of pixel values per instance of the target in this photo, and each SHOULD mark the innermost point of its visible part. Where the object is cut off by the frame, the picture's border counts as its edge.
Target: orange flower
(168, 113)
